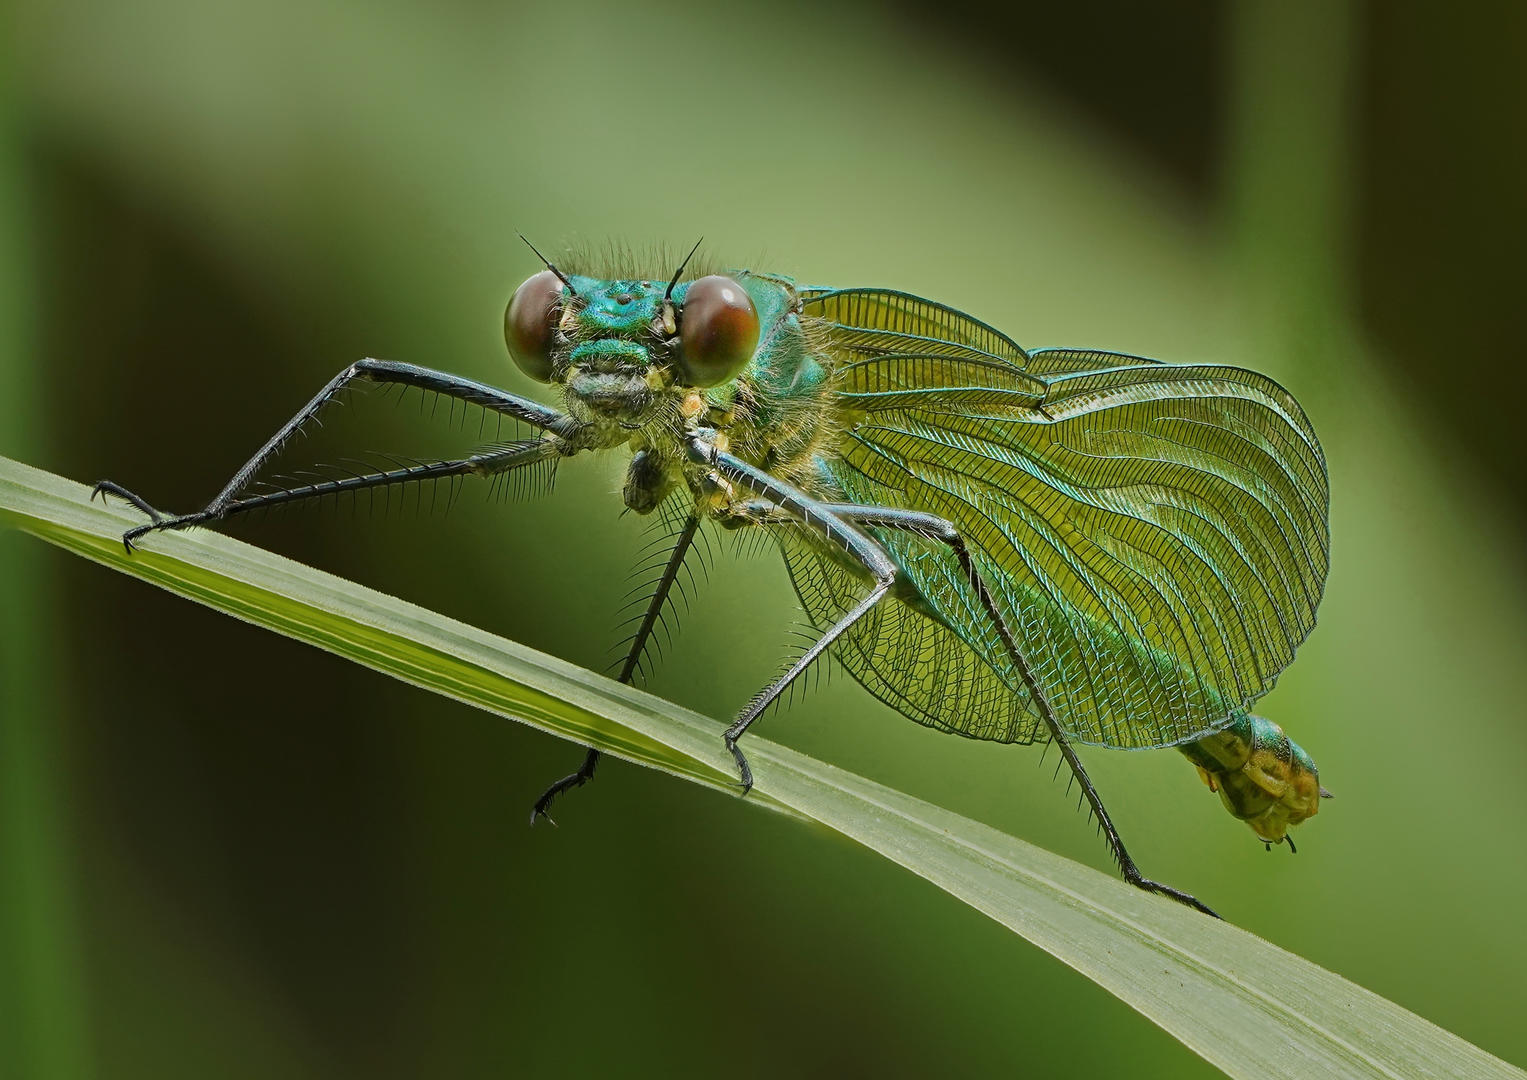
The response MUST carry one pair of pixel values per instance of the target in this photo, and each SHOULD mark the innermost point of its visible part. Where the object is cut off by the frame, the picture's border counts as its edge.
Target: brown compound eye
(530, 324)
(718, 331)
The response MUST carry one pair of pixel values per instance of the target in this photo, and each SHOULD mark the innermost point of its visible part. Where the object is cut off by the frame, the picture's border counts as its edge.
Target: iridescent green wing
(1156, 534)
(910, 659)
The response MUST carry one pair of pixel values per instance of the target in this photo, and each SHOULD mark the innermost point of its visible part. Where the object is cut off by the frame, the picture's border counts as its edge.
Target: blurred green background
(225, 854)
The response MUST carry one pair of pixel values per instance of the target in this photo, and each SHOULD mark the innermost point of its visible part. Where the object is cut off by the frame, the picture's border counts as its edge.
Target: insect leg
(665, 583)
(491, 463)
(815, 517)
(937, 528)
(529, 412)
(766, 697)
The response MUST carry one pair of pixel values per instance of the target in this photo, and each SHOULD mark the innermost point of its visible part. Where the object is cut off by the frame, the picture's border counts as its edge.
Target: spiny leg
(941, 530)
(665, 583)
(529, 412)
(792, 505)
(766, 697)
(495, 462)
(490, 463)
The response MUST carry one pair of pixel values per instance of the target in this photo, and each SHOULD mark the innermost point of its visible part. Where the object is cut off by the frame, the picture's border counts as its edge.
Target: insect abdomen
(1263, 777)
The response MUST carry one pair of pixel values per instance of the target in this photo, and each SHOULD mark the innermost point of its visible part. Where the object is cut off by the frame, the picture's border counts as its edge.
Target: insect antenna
(673, 281)
(547, 263)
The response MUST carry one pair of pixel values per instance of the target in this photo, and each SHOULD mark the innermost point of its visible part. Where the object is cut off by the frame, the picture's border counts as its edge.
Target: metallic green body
(1154, 534)
(1063, 545)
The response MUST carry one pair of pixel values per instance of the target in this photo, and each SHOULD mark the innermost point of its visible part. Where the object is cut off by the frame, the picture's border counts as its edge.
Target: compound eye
(530, 324)
(718, 331)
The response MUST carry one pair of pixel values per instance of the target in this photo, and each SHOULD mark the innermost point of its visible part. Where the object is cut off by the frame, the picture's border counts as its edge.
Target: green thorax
(621, 377)
(781, 404)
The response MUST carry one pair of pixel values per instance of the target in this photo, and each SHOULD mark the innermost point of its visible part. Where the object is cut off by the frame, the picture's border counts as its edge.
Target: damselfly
(1025, 546)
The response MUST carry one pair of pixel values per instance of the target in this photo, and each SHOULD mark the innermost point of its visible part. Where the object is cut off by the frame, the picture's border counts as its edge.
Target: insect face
(620, 346)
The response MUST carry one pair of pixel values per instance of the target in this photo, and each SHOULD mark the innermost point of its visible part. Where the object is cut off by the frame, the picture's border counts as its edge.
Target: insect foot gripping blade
(1263, 777)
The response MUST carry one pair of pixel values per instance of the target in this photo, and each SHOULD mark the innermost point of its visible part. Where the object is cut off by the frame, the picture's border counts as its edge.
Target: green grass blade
(1243, 1004)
